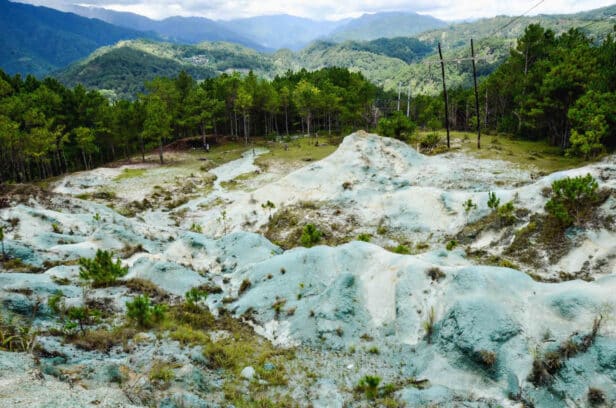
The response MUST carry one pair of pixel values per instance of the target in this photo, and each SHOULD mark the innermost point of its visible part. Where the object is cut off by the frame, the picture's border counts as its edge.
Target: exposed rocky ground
(446, 306)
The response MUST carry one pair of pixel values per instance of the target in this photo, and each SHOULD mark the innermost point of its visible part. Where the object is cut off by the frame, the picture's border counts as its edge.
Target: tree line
(556, 88)
(47, 129)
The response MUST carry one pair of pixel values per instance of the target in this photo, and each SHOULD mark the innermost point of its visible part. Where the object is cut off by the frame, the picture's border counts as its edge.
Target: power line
(518, 17)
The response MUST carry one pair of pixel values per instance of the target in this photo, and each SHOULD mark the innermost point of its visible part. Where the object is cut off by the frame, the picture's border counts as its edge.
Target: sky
(334, 9)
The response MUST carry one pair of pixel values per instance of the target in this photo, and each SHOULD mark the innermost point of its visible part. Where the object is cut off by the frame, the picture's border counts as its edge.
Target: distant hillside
(187, 30)
(385, 62)
(37, 40)
(282, 31)
(123, 69)
(595, 22)
(385, 25)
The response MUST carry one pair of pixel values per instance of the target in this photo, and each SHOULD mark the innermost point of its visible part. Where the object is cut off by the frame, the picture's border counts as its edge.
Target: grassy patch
(130, 173)
(298, 151)
(536, 155)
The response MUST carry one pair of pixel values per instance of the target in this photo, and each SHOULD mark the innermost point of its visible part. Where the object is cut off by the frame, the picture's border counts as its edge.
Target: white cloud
(333, 10)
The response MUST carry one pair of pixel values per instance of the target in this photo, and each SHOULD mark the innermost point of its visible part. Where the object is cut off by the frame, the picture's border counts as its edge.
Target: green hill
(36, 40)
(385, 25)
(385, 62)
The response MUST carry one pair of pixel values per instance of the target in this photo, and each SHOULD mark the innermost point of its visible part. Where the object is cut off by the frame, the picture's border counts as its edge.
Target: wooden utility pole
(399, 92)
(440, 54)
(408, 103)
(476, 96)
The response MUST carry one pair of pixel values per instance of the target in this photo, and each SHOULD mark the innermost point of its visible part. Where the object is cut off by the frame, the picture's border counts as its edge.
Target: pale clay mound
(339, 294)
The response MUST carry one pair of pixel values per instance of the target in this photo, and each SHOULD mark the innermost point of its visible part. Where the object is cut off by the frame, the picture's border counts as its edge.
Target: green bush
(493, 201)
(101, 271)
(194, 295)
(430, 141)
(505, 213)
(311, 235)
(572, 199)
(364, 237)
(142, 312)
(369, 385)
(398, 126)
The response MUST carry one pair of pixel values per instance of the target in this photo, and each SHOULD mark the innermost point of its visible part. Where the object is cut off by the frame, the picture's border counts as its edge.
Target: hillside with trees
(47, 129)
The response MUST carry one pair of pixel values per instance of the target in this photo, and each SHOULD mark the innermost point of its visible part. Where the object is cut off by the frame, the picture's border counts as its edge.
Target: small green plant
(364, 237)
(469, 206)
(161, 373)
(56, 228)
(80, 317)
(369, 385)
(195, 295)
(401, 249)
(493, 201)
(141, 311)
(97, 217)
(311, 235)
(101, 271)
(269, 207)
(506, 213)
(572, 199)
(55, 302)
(428, 325)
(223, 221)
(196, 228)
(374, 350)
(278, 305)
(451, 245)
(16, 335)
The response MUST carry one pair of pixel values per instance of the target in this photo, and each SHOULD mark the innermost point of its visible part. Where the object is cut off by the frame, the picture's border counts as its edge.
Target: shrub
(596, 396)
(505, 213)
(101, 271)
(369, 385)
(428, 325)
(451, 245)
(311, 235)
(364, 237)
(161, 372)
(430, 141)
(141, 311)
(436, 274)
(401, 249)
(469, 206)
(493, 201)
(487, 358)
(196, 228)
(398, 126)
(194, 295)
(16, 335)
(244, 286)
(572, 198)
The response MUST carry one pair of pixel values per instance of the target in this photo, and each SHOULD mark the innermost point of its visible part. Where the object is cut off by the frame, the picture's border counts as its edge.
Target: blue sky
(334, 9)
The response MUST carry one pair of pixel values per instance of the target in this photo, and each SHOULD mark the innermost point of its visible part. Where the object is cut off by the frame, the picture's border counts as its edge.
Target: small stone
(248, 373)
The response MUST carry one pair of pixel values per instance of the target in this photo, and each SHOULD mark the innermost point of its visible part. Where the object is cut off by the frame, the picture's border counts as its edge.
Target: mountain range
(117, 59)
(39, 40)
